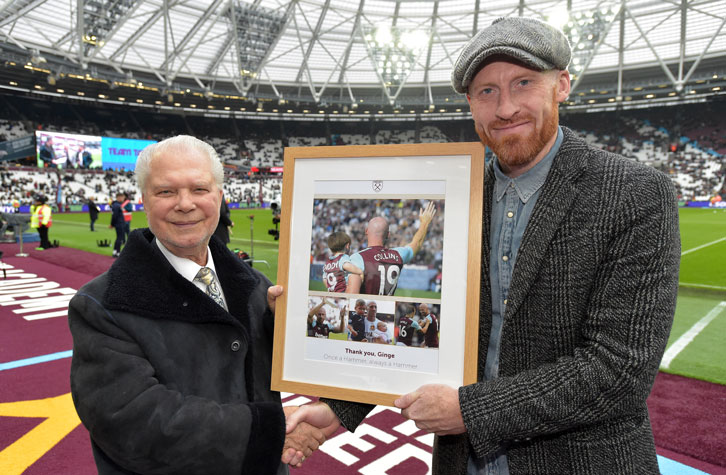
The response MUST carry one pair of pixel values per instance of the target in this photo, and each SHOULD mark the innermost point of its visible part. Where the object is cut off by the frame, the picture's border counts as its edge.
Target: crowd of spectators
(21, 184)
(687, 142)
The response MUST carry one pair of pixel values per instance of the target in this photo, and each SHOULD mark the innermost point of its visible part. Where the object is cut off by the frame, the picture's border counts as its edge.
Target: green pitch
(704, 357)
(701, 297)
(702, 275)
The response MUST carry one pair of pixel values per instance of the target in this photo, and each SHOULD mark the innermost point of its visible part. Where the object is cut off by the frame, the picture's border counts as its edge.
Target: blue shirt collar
(532, 180)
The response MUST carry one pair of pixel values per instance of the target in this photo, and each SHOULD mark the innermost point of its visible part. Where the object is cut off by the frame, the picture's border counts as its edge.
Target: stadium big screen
(63, 150)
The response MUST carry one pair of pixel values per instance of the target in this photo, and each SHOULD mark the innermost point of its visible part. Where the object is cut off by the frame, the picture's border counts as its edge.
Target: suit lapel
(485, 302)
(551, 208)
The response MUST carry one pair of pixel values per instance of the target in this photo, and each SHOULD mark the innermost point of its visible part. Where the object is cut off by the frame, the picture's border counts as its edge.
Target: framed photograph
(380, 250)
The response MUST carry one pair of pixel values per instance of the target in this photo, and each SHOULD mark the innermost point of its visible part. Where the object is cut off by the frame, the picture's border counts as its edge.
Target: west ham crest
(377, 186)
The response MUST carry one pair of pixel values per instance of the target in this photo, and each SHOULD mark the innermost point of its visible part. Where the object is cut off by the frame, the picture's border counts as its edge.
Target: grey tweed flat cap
(533, 42)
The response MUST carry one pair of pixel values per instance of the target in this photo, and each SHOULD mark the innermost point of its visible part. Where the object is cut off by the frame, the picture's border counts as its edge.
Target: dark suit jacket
(92, 209)
(589, 312)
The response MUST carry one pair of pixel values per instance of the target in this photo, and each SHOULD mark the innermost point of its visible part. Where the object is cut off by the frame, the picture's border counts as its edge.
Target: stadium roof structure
(345, 57)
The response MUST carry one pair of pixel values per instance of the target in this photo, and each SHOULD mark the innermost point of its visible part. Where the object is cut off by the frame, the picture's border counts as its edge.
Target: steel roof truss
(315, 35)
(183, 63)
(139, 33)
(193, 31)
(594, 50)
(703, 53)
(427, 78)
(349, 46)
(644, 35)
(13, 10)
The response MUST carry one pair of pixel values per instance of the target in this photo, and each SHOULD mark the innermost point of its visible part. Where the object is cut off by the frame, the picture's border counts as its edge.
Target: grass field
(701, 299)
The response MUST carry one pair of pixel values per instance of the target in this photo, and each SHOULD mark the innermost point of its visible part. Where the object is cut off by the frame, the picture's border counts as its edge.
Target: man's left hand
(272, 293)
(434, 408)
(314, 422)
(427, 215)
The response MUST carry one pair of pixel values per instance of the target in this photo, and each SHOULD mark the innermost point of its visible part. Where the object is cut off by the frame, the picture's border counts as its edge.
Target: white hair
(143, 163)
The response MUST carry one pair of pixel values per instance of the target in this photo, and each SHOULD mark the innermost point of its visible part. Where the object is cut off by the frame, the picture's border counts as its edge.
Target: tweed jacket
(166, 380)
(589, 312)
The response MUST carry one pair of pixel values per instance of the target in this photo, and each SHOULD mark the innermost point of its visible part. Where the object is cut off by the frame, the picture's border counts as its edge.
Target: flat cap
(535, 43)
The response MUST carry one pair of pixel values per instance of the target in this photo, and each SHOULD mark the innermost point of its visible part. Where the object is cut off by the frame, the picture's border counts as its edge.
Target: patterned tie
(206, 277)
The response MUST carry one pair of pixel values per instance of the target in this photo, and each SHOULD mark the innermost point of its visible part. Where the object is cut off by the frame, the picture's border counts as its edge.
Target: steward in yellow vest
(41, 219)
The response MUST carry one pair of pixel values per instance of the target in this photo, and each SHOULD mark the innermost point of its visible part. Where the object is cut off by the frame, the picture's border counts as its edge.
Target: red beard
(515, 151)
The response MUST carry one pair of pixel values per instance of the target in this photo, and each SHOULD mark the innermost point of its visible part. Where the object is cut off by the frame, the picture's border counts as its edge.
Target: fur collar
(141, 281)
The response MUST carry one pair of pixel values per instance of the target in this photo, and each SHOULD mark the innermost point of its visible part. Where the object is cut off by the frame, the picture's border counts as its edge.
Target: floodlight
(394, 51)
(559, 17)
(257, 30)
(415, 39)
(383, 36)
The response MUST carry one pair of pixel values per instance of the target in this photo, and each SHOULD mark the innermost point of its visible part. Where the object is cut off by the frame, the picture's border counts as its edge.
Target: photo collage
(387, 322)
(375, 275)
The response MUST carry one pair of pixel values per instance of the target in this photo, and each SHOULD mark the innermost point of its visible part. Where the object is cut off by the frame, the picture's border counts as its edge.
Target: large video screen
(63, 150)
(121, 154)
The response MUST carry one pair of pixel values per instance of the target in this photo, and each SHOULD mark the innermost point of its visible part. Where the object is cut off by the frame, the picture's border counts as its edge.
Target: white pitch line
(702, 286)
(688, 337)
(703, 245)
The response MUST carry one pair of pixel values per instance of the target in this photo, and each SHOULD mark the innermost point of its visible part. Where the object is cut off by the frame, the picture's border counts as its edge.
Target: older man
(580, 253)
(172, 346)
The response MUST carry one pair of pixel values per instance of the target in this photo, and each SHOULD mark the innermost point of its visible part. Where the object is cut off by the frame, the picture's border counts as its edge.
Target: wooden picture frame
(326, 189)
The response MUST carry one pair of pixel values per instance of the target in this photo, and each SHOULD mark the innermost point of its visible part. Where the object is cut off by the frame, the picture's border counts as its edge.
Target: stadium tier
(686, 141)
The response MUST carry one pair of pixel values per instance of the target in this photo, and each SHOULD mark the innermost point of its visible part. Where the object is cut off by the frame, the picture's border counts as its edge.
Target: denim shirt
(512, 205)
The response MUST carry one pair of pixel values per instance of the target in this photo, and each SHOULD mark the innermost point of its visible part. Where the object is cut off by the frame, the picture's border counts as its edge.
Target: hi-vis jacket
(41, 216)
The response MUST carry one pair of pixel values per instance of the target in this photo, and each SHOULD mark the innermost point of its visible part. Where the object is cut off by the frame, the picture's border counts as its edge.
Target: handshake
(433, 407)
(307, 428)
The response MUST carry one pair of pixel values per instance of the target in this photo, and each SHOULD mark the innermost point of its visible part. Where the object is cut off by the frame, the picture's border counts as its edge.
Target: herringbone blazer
(589, 312)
